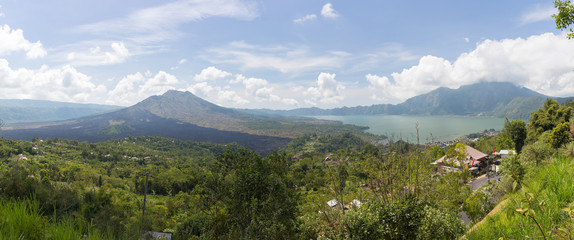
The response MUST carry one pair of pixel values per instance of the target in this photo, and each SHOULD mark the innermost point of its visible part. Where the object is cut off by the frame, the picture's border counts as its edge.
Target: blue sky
(276, 54)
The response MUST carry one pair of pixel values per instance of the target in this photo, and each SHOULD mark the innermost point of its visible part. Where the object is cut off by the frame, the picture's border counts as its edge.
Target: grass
(550, 188)
(23, 220)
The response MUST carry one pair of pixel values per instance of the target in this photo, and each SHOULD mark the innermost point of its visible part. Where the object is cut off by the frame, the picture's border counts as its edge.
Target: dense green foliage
(206, 191)
(565, 17)
(517, 130)
(537, 183)
(336, 186)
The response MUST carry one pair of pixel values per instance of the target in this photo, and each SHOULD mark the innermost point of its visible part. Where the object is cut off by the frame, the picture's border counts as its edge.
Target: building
(473, 159)
(505, 153)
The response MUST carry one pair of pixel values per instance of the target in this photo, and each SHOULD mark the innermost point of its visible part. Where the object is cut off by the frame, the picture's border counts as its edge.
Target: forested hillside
(321, 186)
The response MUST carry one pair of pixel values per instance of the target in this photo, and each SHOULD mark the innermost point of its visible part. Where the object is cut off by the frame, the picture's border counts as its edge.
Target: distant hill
(485, 99)
(17, 110)
(181, 115)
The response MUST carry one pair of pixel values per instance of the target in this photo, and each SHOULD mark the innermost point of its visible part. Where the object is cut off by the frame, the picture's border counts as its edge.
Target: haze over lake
(442, 128)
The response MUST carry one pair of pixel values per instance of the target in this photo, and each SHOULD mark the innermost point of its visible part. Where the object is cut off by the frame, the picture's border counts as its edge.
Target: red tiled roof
(471, 155)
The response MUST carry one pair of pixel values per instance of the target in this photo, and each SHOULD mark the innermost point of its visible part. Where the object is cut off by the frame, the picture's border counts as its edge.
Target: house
(473, 159)
(505, 153)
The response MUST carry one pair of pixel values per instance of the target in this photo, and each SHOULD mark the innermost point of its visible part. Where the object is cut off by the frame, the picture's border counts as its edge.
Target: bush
(440, 224)
(477, 205)
(534, 154)
(195, 227)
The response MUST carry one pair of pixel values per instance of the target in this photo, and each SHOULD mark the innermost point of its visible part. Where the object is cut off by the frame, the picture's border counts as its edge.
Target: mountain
(16, 110)
(485, 99)
(475, 99)
(181, 115)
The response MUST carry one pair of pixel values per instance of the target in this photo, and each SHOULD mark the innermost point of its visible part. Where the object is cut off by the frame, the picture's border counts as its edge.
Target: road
(479, 181)
(475, 185)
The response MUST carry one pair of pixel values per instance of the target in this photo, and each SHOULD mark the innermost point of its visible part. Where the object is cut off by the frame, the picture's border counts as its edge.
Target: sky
(277, 54)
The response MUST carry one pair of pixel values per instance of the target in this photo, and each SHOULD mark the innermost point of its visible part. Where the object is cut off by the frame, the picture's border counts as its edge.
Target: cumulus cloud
(13, 40)
(304, 19)
(259, 88)
(217, 94)
(210, 74)
(136, 87)
(328, 90)
(240, 91)
(538, 14)
(115, 53)
(56, 84)
(542, 63)
(328, 12)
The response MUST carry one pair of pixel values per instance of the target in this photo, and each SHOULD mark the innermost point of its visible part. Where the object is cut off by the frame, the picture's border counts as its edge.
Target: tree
(518, 134)
(560, 135)
(547, 118)
(258, 193)
(565, 16)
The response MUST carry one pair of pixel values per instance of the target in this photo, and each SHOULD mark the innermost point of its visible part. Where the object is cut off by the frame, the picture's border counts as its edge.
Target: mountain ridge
(498, 99)
(181, 115)
(27, 110)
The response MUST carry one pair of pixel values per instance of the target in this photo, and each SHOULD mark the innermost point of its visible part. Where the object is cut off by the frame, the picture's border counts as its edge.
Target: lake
(442, 128)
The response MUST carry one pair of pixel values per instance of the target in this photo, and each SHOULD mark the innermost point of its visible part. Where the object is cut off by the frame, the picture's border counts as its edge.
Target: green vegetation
(536, 185)
(321, 186)
(565, 17)
(206, 191)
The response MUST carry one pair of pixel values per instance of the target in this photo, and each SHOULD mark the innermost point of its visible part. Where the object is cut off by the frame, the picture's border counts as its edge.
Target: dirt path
(494, 211)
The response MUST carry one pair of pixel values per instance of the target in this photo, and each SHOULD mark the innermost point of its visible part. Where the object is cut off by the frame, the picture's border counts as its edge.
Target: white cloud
(328, 12)
(466, 40)
(538, 14)
(120, 54)
(160, 23)
(179, 63)
(280, 58)
(304, 19)
(389, 54)
(13, 40)
(328, 90)
(241, 91)
(1, 13)
(542, 63)
(210, 74)
(116, 53)
(136, 87)
(56, 84)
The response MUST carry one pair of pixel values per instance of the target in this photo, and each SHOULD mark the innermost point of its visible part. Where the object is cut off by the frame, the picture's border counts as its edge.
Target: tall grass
(22, 220)
(553, 188)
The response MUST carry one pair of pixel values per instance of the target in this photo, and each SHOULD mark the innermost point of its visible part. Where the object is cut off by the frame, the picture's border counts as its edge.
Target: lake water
(442, 128)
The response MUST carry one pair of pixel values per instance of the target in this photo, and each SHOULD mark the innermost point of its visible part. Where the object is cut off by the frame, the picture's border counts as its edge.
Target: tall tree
(259, 194)
(547, 118)
(518, 134)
